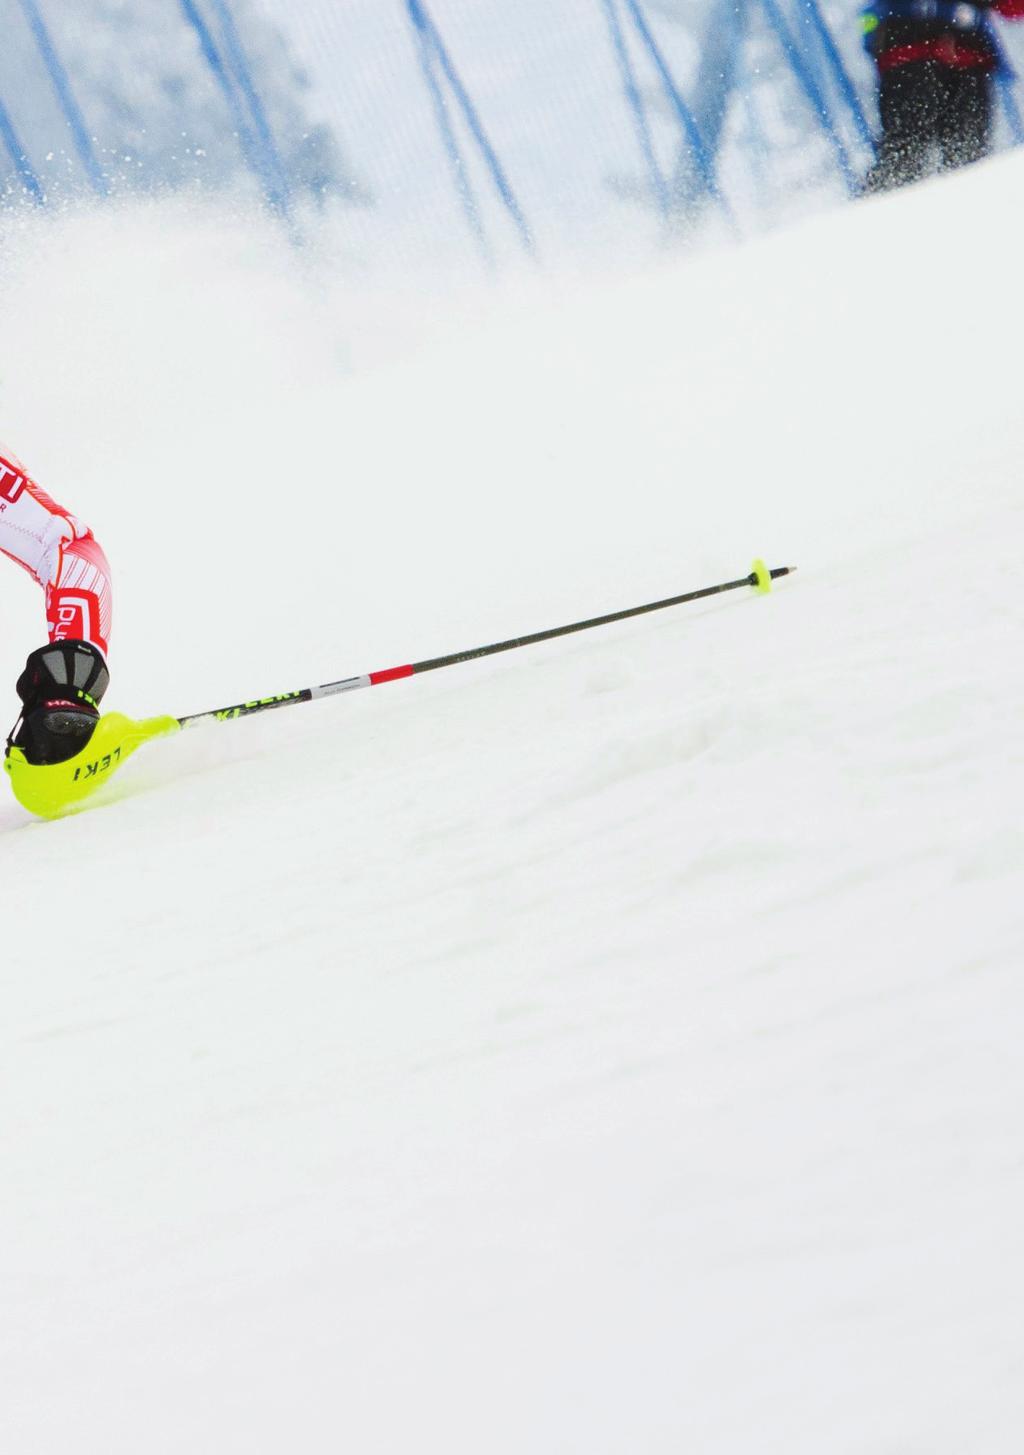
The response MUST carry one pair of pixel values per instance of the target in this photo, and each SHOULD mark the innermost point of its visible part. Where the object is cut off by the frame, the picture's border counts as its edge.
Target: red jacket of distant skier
(949, 33)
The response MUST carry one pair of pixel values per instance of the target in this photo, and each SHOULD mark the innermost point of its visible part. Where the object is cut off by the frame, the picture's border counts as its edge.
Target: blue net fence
(510, 125)
(113, 98)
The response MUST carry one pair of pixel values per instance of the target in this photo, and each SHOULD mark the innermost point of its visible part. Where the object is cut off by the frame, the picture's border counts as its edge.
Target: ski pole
(760, 578)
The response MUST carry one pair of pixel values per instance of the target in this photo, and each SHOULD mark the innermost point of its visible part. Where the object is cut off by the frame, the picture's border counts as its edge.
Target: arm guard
(60, 553)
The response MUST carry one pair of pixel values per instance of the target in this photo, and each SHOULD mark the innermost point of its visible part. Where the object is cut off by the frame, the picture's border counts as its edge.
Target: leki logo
(12, 485)
(227, 714)
(102, 765)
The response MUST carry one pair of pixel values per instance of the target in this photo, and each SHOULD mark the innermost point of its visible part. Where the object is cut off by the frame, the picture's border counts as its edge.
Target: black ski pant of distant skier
(931, 114)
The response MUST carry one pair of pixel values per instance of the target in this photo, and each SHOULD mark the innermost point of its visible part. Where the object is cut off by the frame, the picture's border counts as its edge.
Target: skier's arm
(63, 683)
(61, 553)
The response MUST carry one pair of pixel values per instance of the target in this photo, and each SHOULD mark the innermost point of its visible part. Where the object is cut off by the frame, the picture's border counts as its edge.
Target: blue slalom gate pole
(1006, 81)
(460, 172)
(721, 47)
(805, 77)
(270, 156)
(634, 100)
(425, 25)
(247, 141)
(62, 86)
(19, 157)
(847, 89)
(691, 131)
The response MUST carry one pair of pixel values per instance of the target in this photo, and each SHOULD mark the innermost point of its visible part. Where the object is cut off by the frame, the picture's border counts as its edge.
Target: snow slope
(608, 1047)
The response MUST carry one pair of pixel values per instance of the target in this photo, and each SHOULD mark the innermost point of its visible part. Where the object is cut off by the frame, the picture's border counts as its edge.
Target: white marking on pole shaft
(350, 684)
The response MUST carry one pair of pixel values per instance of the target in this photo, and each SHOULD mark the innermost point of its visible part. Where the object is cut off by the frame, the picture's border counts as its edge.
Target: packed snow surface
(613, 1046)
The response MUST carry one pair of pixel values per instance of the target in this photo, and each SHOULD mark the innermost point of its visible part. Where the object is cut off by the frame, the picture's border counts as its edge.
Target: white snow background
(613, 1046)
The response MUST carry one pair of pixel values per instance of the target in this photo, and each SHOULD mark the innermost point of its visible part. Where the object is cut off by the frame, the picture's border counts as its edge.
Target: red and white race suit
(60, 552)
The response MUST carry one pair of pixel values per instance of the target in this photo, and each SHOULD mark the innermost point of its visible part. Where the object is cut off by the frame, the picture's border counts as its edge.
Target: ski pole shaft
(760, 577)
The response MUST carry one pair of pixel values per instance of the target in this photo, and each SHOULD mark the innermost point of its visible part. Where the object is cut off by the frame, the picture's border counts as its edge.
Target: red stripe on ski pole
(392, 674)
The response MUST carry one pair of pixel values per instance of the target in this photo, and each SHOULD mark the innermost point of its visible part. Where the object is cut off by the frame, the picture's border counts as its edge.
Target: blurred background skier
(64, 681)
(936, 62)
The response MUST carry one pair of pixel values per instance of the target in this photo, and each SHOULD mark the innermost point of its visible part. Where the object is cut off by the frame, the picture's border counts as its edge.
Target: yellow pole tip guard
(764, 577)
(54, 789)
